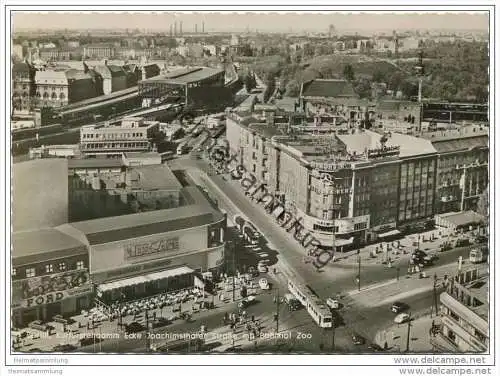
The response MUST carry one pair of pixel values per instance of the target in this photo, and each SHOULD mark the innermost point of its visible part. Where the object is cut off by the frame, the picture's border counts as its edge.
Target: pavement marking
(372, 287)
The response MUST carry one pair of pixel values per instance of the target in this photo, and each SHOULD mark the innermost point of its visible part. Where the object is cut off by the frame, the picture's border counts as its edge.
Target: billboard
(50, 288)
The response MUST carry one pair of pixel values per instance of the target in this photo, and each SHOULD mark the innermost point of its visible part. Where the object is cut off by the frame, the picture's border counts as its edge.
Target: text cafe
(149, 271)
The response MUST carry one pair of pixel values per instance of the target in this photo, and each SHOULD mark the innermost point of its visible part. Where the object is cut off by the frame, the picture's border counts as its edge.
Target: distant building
(73, 44)
(52, 88)
(23, 88)
(54, 54)
(81, 85)
(321, 91)
(114, 78)
(464, 320)
(212, 49)
(132, 135)
(17, 51)
(99, 51)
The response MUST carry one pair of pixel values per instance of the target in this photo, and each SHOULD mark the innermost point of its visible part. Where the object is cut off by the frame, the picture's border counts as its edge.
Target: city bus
(316, 308)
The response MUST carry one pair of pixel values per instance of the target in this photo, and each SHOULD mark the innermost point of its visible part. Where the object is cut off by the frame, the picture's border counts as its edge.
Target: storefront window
(49, 268)
(30, 272)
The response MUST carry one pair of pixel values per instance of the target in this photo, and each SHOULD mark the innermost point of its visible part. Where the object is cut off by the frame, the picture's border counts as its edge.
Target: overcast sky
(261, 22)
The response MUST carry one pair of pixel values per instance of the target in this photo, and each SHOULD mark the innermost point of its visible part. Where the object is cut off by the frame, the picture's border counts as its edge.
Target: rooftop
(185, 76)
(464, 218)
(480, 290)
(328, 88)
(40, 194)
(94, 163)
(36, 242)
(199, 212)
(409, 145)
(154, 177)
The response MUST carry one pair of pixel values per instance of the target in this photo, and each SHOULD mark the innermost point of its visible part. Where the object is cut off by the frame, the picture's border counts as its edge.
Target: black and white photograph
(214, 184)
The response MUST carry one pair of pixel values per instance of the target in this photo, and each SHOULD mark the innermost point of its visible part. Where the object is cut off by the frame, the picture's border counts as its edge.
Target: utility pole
(234, 273)
(408, 335)
(333, 336)
(397, 273)
(277, 310)
(435, 295)
(359, 270)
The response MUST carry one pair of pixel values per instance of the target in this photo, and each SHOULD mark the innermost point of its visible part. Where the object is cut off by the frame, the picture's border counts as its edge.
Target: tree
(349, 72)
(250, 82)
(270, 87)
(363, 88)
(292, 89)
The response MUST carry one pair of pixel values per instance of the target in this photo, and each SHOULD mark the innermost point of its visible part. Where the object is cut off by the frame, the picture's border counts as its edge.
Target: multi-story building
(99, 51)
(464, 313)
(462, 167)
(133, 134)
(23, 88)
(169, 233)
(54, 54)
(114, 78)
(50, 276)
(398, 116)
(17, 51)
(52, 88)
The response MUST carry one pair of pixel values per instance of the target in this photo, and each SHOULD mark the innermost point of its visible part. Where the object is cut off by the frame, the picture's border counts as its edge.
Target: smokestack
(175, 28)
(171, 30)
(196, 28)
(180, 28)
(203, 27)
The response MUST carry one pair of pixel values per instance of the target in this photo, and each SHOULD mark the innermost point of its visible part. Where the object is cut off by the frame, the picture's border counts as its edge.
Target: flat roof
(40, 193)
(199, 212)
(185, 76)
(409, 145)
(141, 154)
(101, 98)
(42, 241)
(462, 218)
(94, 163)
(154, 177)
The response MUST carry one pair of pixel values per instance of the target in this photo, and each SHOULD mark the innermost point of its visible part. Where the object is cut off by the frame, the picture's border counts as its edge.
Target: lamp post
(408, 334)
(359, 271)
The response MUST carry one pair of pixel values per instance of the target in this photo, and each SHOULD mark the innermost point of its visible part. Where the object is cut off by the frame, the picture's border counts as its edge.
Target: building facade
(52, 88)
(462, 168)
(23, 86)
(50, 276)
(98, 51)
(133, 134)
(114, 78)
(464, 312)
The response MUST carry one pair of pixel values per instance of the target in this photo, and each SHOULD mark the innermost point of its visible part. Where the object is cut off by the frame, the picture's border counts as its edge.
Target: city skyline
(270, 22)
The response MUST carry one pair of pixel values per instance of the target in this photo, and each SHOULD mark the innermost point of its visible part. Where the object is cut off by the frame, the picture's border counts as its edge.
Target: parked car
(399, 307)
(134, 327)
(263, 284)
(332, 303)
(402, 318)
(262, 268)
(358, 340)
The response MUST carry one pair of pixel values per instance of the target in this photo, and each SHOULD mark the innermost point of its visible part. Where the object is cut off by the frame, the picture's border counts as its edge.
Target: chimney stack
(175, 28)
(196, 28)
(180, 28)
(203, 27)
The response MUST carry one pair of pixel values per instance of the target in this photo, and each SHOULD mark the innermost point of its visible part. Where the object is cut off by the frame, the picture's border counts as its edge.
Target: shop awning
(389, 233)
(144, 278)
(340, 242)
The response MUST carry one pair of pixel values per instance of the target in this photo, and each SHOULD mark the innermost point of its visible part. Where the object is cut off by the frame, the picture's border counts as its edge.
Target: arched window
(45, 95)
(54, 96)
(38, 94)
(25, 94)
(62, 96)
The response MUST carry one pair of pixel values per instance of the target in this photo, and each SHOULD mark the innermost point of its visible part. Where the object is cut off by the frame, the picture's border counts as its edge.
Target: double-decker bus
(316, 308)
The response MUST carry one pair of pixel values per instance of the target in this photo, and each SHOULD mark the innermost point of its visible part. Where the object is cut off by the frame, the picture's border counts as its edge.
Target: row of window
(112, 136)
(53, 96)
(49, 268)
(116, 145)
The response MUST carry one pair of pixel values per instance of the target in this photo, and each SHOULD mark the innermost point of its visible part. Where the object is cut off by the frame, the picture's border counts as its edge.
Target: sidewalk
(396, 336)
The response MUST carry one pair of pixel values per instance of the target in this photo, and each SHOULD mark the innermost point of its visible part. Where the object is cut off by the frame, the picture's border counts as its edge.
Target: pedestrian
(253, 318)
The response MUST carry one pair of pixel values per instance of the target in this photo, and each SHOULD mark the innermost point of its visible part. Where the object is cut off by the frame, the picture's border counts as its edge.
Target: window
(62, 266)
(80, 265)
(14, 272)
(30, 272)
(49, 268)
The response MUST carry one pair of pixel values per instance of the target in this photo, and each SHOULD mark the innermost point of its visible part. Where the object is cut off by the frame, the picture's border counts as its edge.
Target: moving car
(477, 256)
(332, 303)
(263, 284)
(399, 307)
(358, 340)
(402, 318)
(249, 300)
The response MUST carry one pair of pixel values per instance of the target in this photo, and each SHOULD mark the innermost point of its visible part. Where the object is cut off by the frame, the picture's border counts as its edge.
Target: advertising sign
(151, 249)
(49, 288)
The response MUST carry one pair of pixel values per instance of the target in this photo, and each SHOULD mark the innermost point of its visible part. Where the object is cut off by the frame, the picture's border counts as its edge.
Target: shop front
(43, 298)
